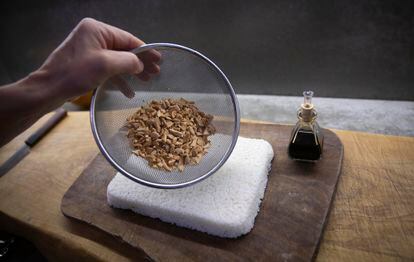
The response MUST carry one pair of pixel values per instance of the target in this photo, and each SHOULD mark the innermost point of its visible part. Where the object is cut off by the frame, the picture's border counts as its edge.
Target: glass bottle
(306, 141)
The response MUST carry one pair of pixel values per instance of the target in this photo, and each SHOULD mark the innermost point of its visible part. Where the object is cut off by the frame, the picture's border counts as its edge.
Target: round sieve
(185, 73)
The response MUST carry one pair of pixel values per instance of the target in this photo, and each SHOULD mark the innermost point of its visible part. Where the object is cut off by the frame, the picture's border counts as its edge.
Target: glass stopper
(307, 95)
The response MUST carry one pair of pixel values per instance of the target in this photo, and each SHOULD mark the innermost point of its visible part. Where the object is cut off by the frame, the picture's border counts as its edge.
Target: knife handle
(60, 113)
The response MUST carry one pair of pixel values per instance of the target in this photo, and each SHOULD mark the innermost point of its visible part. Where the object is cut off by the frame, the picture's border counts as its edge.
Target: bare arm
(92, 53)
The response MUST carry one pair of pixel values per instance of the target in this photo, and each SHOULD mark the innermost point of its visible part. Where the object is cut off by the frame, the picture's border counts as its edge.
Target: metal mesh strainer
(184, 73)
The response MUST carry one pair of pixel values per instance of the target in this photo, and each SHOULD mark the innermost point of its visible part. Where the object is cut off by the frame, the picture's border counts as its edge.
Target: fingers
(118, 39)
(150, 55)
(150, 59)
(122, 62)
(151, 68)
(144, 76)
(114, 43)
(110, 37)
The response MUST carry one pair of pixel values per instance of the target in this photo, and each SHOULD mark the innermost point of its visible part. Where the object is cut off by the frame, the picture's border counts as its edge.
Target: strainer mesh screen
(183, 74)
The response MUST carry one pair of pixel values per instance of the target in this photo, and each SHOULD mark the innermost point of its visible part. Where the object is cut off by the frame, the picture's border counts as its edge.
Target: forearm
(90, 55)
(24, 102)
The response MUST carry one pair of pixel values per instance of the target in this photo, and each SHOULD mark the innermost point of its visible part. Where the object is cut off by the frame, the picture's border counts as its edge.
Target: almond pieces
(170, 133)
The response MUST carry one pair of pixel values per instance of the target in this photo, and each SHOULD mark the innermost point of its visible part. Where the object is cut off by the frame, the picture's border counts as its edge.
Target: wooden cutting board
(288, 227)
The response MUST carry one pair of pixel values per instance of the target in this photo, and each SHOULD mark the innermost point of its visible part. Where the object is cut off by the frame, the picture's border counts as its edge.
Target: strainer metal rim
(236, 109)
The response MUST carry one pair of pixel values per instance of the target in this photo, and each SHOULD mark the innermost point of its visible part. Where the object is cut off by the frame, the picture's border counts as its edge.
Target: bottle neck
(307, 113)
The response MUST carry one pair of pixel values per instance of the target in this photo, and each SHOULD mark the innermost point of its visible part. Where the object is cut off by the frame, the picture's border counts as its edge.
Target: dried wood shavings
(170, 133)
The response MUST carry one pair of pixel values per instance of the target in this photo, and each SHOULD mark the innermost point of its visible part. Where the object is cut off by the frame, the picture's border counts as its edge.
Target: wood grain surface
(372, 217)
(289, 226)
(373, 214)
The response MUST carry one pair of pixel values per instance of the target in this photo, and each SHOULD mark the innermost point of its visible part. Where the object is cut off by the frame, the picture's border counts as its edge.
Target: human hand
(91, 54)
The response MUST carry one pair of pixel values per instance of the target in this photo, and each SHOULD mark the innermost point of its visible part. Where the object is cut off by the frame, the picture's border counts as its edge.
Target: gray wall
(351, 48)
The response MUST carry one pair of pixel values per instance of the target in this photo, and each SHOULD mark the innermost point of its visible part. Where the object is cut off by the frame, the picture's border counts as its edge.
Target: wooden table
(372, 217)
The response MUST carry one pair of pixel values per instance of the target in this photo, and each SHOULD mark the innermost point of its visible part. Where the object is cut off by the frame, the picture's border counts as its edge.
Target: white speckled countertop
(374, 116)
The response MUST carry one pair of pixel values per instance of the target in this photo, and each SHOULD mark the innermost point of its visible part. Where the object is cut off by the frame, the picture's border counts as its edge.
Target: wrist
(42, 90)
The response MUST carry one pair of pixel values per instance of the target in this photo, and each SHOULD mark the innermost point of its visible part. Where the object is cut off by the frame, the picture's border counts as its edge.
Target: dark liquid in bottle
(305, 147)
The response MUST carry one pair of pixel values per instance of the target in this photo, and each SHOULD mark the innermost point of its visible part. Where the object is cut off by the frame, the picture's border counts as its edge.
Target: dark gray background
(361, 49)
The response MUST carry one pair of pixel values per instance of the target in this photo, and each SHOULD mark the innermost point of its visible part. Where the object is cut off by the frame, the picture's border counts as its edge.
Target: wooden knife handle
(60, 113)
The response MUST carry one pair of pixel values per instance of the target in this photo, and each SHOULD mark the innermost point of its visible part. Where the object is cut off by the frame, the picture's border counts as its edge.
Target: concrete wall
(362, 49)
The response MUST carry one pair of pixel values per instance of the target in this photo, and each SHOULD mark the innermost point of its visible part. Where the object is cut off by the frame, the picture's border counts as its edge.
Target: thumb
(122, 62)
